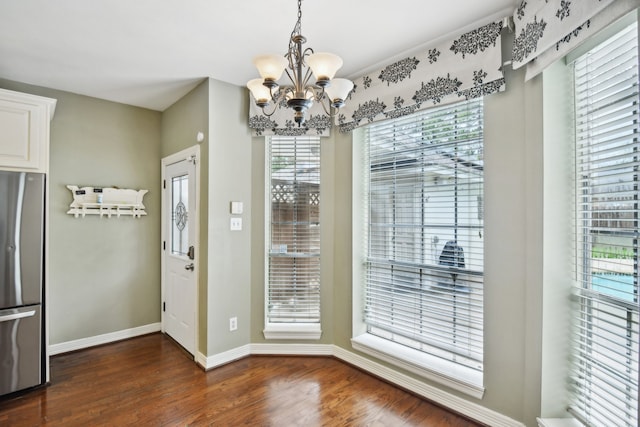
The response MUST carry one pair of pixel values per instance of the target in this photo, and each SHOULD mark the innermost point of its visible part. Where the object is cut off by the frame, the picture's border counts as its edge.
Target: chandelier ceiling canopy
(300, 66)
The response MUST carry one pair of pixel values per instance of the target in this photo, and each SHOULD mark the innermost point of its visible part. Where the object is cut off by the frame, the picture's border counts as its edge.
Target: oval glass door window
(180, 215)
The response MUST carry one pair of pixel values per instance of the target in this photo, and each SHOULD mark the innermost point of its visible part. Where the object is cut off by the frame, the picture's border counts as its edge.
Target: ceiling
(149, 53)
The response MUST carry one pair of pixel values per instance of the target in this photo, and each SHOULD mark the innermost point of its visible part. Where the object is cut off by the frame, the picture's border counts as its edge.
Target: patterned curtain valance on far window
(464, 68)
(281, 123)
(546, 30)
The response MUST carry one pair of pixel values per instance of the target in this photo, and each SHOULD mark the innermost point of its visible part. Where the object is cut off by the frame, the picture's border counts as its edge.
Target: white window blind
(293, 288)
(604, 374)
(424, 249)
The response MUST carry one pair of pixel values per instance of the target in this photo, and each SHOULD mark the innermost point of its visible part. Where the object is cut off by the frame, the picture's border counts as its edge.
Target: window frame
(600, 302)
(284, 330)
(451, 374)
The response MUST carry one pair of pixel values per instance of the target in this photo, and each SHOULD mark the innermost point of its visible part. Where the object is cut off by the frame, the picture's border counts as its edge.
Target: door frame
(192, 153)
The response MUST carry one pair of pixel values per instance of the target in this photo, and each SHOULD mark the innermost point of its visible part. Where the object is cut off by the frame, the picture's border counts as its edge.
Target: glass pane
(179, 215)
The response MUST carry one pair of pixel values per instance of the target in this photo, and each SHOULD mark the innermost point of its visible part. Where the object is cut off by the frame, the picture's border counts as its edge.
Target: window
(604, 374)
(424, 242)
(293, 238)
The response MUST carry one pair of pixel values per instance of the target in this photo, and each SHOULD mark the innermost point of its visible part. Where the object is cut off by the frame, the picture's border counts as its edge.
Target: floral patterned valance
(281, 122)
(546, 30)
(464, 68)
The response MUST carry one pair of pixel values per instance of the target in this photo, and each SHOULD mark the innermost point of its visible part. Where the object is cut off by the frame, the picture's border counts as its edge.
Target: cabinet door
(19, 138)
(24, 131)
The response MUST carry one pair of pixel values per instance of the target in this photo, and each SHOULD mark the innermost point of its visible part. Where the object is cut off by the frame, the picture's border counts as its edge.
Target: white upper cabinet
(24, 131)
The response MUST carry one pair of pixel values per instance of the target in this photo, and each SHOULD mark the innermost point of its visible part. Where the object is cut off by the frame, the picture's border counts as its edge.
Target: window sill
(292, 331)
(558, 422)
(460, 378)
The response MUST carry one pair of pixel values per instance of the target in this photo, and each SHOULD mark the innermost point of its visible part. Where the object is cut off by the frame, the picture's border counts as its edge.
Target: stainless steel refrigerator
(22, 201)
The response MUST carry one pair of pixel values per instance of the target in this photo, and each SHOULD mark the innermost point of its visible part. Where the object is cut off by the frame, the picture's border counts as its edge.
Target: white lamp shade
(324, 65)
(339, 89)
(270, 66)
(259, 91)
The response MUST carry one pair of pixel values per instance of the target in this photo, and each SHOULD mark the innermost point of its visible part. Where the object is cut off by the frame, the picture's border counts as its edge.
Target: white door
(179, 253)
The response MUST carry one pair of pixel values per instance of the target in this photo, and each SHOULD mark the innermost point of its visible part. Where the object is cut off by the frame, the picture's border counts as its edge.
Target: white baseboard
(210, 362)
(79, 344)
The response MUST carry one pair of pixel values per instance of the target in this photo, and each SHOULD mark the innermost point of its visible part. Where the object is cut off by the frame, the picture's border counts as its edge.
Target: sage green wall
(513, 251)
(180, 125)
(558, 231)
(229, 287)
(257, 238)
(342, 241)
(104, 273)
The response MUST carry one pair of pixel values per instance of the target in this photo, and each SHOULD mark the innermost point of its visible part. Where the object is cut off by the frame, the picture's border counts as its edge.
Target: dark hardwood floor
(150, 381)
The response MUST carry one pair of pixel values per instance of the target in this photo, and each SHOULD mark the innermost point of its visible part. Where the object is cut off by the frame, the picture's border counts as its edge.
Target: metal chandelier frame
(300, 64)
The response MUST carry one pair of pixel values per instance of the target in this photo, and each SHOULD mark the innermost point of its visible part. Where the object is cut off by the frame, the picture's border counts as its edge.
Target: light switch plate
(236, 208)
(236, 224)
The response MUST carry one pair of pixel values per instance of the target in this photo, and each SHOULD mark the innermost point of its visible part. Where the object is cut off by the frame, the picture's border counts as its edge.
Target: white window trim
(279, 331)
(453, 375)
(292, 331)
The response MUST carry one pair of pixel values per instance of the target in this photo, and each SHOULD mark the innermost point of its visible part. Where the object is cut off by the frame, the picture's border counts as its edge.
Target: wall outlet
(233, 323)
(235, 224)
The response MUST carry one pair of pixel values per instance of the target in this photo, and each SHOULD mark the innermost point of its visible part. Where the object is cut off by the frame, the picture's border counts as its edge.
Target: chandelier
(299, 65)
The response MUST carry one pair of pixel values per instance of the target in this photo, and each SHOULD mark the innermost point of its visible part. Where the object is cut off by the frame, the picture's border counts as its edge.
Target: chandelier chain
(297, 29)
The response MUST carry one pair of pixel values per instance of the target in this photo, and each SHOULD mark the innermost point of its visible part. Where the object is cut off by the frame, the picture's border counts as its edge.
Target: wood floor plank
(150, 381)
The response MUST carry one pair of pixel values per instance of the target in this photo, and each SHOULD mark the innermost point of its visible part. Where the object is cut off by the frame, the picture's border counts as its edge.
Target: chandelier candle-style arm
(300, 65)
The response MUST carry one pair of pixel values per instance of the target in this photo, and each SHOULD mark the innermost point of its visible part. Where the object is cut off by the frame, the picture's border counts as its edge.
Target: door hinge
(164, 184)
(164, 245)
(164, 306)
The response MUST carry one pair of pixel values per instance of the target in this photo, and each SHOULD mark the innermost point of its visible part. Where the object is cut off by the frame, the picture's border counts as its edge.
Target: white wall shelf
(106, 202)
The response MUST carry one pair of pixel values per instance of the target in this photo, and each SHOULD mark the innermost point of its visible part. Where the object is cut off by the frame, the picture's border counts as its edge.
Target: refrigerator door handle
(15, 316)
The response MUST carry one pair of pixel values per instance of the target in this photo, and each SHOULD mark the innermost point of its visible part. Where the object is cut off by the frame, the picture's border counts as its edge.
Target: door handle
(189, 267)
(15, 316)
